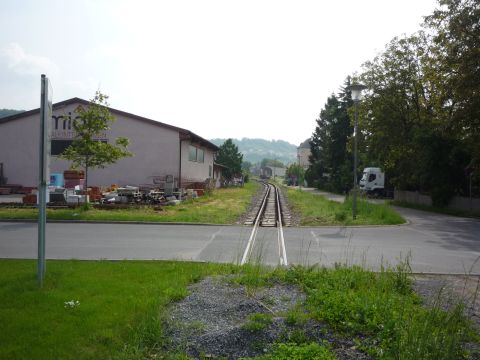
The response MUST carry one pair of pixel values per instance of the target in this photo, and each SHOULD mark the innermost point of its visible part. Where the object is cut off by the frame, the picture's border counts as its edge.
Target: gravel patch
(453, 289)
(295, 216)
(210, 321)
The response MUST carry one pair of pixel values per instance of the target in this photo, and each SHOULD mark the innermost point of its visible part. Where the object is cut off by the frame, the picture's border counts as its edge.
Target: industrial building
(158, 149)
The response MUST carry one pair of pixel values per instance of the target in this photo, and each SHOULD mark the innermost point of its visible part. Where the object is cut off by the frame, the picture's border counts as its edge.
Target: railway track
(269, 211)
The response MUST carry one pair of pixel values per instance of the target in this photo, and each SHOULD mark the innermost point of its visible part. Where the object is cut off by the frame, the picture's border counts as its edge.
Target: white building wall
(193, 171)
(19, 141)
(155, 149)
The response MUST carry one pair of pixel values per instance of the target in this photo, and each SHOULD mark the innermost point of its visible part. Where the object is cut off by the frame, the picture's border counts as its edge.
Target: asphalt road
(435, 243)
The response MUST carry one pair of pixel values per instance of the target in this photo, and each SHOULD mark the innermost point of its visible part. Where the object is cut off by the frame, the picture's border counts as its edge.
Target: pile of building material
(67, 189)
(123, 195)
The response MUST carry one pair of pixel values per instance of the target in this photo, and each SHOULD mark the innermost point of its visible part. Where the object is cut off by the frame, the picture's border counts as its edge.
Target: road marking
(315, 237)
(212, 237)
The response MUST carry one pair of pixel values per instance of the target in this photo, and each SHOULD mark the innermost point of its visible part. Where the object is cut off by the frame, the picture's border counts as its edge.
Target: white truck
(373, 181)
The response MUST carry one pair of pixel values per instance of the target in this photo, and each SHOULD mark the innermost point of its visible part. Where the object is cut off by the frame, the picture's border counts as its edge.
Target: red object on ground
(29, 199)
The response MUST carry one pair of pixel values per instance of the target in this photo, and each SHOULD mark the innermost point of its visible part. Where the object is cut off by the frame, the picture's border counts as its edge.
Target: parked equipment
(373, 181)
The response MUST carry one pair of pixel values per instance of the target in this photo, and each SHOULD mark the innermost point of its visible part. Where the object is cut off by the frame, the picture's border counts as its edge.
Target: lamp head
(356, 90)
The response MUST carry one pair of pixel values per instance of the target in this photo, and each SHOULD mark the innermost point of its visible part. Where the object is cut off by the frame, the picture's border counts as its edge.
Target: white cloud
(23, 63)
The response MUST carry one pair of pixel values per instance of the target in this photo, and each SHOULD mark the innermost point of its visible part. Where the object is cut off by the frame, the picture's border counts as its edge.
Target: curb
(110, 222)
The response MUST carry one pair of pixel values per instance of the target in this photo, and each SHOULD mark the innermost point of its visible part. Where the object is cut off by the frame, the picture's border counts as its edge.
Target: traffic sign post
(44, 173)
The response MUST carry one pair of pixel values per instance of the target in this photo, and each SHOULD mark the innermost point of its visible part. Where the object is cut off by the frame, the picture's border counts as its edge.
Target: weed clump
(258, 322)
(383, 308)
(288, 351)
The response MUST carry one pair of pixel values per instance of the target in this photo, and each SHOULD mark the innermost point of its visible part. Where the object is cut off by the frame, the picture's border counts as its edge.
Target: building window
(196, 154)
(200, 155)
(210, 171)
(58, 146)
(192, 153)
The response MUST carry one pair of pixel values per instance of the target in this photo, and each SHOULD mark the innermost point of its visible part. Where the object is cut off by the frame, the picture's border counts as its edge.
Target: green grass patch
(223, 206)
(296, 316)
(119, 309)
(316, 210)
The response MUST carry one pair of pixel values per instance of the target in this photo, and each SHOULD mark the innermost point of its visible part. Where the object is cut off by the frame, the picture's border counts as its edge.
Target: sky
(222, 69)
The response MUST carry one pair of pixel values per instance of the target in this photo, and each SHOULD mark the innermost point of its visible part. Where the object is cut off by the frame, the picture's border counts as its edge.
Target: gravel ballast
(211, 321)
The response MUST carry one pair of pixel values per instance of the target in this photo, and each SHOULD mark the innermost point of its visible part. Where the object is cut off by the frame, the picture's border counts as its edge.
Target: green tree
(420, 119)
(331, 159)
(86, 150)
(294, 170)
(246, 166)
(272, 162)
(456, 42)
(397, 106)
(8, 112)
(408, 115)
(229, 156)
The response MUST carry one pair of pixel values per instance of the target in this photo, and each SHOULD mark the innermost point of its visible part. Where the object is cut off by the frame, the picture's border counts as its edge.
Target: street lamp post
(356, 90)
(299, 170)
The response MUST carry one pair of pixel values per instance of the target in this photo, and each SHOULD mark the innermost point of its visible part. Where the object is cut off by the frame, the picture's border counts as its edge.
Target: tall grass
(316, 210)
(383, 308)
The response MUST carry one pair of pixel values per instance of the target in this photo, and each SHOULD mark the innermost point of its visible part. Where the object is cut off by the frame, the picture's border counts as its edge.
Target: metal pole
(299, 170)
(354, 203)
(42, 186)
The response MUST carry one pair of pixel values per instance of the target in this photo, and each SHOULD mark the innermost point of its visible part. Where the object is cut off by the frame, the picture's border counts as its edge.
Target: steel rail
(253, 234)
(263, 218)
(281, 239)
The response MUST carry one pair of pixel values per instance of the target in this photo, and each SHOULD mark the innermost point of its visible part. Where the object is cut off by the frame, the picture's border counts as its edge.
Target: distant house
(303, 154)
(273, 171)
(159, 149)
